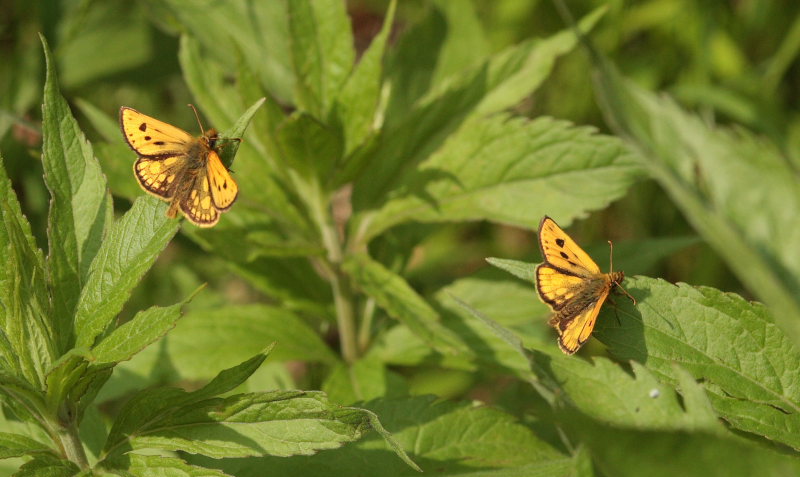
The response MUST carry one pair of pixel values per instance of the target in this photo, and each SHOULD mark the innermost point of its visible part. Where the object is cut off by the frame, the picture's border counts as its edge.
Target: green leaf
(448, 40)
(74, 382)
(491, 165)
(392, 293)
(357, 103)
(133, 336)
(718, 178)
(153, 405)
(322, 52)
(409, 139)
(159, 466)
(445, 438)
(309, 146)
(27, 341)
(522, 270)
(128, 251)
(678, 453)
(80, 205)
(16, 445)
(275, 423)
(228, 152)
(25, 401)
(747, 363)
(45, 465)
(366, 379)
(245, 27)
(195, 341)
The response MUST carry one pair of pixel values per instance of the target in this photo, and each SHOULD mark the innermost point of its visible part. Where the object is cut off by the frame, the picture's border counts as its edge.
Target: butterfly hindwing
(160, 176)
(576, 329)
(223, 188)
(197, 204)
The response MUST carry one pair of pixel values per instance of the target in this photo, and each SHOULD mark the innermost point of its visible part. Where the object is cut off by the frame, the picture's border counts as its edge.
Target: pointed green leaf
(45, 465)
(131, 247)
(357, 104)
(16, 445)
(322, 52)
(80, 205)
(74, 382)
(491, 165)
(441, 437)
(274, 423)
(159, 466)
(247, 28)
(522, 270)
(409, 139)
(443, 44)
(156, 404)
(228, 151)
(134, 335)
(27, 341)
(392, 293)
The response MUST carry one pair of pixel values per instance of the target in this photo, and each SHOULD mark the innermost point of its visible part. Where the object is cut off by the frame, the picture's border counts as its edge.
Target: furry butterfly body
(572, 285)
(180, 168)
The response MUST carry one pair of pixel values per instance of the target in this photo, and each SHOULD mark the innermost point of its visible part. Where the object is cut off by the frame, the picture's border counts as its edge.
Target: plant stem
(340, 282)
(365, 330)
(71, 443)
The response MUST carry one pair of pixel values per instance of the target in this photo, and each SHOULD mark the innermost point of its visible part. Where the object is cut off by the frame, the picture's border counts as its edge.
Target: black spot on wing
(143, 127)
(157, 143)
(560, 242)
(564, 255)
(147, 138)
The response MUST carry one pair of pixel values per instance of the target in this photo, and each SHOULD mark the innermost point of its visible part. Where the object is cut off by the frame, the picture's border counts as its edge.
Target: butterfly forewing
(559, 250)
(151, 137)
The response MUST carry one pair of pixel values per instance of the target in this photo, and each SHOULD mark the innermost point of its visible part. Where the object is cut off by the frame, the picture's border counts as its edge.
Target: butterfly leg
(627, 294)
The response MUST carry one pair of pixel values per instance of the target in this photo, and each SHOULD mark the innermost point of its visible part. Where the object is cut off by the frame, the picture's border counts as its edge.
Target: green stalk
(319, 205)
(71, 443)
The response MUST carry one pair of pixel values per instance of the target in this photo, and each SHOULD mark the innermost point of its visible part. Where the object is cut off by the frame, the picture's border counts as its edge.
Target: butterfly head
(617, 277)
(210, 137)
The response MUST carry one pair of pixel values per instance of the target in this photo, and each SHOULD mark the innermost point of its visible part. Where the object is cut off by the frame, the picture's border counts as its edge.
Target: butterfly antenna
(611, 256)
(198, 118)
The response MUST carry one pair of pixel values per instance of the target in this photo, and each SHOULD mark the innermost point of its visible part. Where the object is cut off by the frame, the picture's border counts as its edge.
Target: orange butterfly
(572, 285)
(180, 168)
